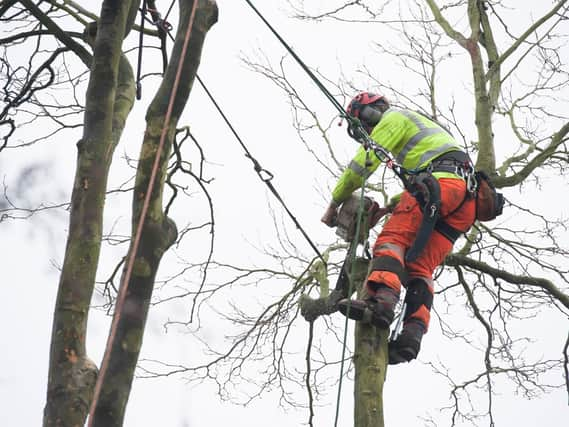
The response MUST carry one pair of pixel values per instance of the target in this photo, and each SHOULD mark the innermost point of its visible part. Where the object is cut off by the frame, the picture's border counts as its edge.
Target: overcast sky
(32, 251)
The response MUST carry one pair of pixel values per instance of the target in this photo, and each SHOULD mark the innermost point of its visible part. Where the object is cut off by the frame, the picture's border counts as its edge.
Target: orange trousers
(400, 231)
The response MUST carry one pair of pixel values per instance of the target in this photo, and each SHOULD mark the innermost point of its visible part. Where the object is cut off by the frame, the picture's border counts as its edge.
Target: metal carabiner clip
(471, 184)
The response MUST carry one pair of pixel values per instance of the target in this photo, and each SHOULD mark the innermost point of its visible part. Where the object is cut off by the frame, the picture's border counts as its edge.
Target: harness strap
(425, 188)
(448, 231)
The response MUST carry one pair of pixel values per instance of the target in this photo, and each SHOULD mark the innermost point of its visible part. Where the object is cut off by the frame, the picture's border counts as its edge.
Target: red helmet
(362, 100)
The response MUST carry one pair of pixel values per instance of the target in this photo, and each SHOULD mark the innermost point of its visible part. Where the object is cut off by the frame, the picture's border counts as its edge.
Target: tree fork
(159, 232)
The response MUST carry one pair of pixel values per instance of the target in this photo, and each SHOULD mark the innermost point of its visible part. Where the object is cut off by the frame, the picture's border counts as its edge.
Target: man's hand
(330, 217)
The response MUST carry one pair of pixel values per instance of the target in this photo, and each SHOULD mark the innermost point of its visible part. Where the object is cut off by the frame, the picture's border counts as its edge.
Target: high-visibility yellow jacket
(412, 139)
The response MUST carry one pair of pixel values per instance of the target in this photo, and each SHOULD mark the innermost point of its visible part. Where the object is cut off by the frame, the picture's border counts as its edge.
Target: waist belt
(456, 162)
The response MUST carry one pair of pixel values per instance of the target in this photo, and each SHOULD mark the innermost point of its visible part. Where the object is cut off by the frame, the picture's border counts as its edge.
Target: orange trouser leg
(400, 232)
(419, 300)
(387, 269)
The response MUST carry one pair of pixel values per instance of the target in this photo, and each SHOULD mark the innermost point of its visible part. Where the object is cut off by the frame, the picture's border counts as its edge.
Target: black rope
(355, 128)
(265, 175)
(318, 83)
(140, 48)
(169, 10)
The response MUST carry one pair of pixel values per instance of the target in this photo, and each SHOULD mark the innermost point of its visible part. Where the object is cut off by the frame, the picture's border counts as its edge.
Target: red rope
(124, 284)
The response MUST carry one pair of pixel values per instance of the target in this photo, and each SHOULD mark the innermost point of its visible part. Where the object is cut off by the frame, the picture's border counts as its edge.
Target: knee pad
(385, 271)
(418, 294)
(391, 264)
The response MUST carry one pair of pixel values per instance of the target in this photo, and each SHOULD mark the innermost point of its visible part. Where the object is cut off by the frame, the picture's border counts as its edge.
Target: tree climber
(437, 206)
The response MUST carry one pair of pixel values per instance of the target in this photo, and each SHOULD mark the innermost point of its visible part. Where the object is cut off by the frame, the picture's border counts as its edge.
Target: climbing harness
(426, 190)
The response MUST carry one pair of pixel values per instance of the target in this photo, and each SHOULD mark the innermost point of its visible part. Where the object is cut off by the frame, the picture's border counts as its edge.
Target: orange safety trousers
(401, 228)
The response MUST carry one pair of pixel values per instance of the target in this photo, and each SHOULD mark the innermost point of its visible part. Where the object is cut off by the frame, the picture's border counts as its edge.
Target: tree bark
(370, 364)
(484, 107)
(370, 353)
(159, 232)
(110, 97)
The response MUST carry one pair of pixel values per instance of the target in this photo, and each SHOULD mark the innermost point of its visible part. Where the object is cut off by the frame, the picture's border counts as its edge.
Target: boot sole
(400, 355)
(361, 313)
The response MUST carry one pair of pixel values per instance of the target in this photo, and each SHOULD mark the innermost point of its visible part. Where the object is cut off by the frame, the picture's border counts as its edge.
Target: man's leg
(420, 287)
(383, 284)
(418, 300)
(382, 288)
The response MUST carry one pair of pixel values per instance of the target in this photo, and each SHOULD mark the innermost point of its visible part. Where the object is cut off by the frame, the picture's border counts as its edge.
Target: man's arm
(361, 166)
(388, 133)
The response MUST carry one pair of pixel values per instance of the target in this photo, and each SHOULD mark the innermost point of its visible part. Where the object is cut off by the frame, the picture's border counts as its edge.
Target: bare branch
(460, 260)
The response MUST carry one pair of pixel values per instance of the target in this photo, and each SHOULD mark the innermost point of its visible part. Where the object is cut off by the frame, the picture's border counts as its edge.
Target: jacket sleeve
(389, 133)
(353, 176)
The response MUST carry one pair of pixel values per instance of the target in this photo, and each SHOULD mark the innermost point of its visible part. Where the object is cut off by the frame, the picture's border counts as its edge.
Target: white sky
(29, 250)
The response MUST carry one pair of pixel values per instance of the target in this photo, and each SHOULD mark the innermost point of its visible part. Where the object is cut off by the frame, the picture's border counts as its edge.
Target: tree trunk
(110, 97)
(370, 364)
(159, 232)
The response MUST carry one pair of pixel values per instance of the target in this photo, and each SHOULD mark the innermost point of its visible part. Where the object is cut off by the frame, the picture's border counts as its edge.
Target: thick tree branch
(111, 96)
(159, 232)
(483, 101)
(492, 50)
(455, 260)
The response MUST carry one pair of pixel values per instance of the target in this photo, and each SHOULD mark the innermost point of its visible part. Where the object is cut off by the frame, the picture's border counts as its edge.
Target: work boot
(377, 310)
(407, 345)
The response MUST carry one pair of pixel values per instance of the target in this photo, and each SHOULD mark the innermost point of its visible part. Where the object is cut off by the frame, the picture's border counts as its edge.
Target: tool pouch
(489, 203)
